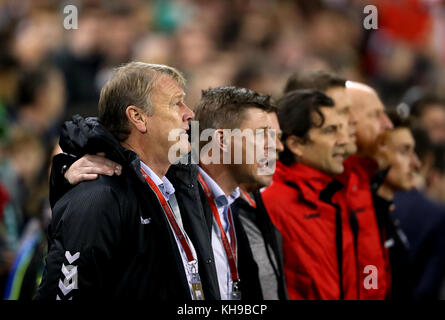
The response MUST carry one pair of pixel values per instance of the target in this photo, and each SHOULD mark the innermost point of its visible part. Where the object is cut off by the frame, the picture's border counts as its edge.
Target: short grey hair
(131, 84)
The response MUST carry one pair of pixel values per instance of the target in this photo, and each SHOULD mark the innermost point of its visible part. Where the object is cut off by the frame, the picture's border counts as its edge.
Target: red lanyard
(248, 198)
(230, 249)
(170, 216)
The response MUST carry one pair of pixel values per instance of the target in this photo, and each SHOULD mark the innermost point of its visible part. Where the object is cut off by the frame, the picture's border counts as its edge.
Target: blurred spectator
(430, 112)
(436, 178)
(79, 62)
(40, 102)
(423, 222)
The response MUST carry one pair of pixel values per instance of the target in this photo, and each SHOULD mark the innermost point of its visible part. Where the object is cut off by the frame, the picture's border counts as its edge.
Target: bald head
(368, 110)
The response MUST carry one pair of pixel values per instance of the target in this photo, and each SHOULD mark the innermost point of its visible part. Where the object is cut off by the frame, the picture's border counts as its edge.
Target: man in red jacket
(367, 254)
(334, 86)
(299, 199)
(360, 180)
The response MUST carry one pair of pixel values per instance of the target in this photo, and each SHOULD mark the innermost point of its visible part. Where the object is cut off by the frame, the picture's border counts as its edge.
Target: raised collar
(364, 166)
(311, 182)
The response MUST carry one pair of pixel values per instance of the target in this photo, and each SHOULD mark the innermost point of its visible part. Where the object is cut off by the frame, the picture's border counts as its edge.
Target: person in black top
(396, 151)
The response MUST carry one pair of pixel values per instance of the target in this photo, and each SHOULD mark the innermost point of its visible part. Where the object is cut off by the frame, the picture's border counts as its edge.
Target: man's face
(265, 180)
(326, 148)
(371, 120)
(275, 126)
(169, 113)
(433, 119)
(261, 146)
(343, 106)
(399, 151)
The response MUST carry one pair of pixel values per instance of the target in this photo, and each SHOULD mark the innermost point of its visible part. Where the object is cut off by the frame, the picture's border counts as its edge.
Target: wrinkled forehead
(167, 86)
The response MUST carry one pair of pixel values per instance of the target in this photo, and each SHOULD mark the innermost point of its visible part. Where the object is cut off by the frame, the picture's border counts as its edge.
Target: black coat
(196, 216)
(423, 221)
(398, 246)
(96, 227)
(272, 239)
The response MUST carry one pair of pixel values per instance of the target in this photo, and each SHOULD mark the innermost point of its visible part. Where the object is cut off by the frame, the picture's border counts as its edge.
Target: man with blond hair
(122, 236)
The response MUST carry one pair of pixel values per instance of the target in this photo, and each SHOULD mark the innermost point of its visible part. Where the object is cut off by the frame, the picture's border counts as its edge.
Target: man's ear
(294, 144)
(221, 141)
(137, 118)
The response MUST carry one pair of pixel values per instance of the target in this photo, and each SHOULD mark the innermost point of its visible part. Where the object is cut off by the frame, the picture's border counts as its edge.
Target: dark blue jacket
(423, 222)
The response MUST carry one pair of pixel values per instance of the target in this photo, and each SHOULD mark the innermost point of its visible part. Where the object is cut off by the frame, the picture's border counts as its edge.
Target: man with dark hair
(423, 221)
(123, 236)
(334, 86)
(244, 110)
(299, 201)
(321, 80)
(264, 238)
(430, 113)
(396, 152)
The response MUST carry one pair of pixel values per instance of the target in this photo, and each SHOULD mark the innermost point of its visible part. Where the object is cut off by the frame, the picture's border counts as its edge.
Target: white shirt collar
(163, 183)
(218, 194)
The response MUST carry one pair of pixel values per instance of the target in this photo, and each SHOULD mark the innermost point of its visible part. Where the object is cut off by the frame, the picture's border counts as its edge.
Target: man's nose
(415, 161)
(342, 136)
(385, 122)
(275, 141)
(279, 145)
(188, 113)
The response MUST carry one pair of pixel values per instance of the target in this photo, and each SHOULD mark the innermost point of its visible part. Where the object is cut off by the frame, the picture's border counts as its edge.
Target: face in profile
(274, 134)
(397, 147)
(325, 149)
(372, 120)
(433, 119)
(258, 150)
(170, 114)
(342, 103)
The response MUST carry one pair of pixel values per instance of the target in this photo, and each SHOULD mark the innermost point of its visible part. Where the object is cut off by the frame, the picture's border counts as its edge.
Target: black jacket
(423, 221)
(97, 242)
(196, 216)
(398, 247)
(271, 236)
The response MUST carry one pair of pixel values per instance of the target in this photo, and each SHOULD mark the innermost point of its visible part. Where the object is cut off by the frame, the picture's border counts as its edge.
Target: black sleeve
(58, 185)
(83, 237)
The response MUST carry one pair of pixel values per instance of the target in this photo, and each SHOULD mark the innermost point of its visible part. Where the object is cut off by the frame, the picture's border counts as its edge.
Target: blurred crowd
(49, 73)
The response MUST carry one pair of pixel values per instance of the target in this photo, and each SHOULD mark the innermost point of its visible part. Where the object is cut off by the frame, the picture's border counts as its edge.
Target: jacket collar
(365, 167)
(311, 182)
(82, 136)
